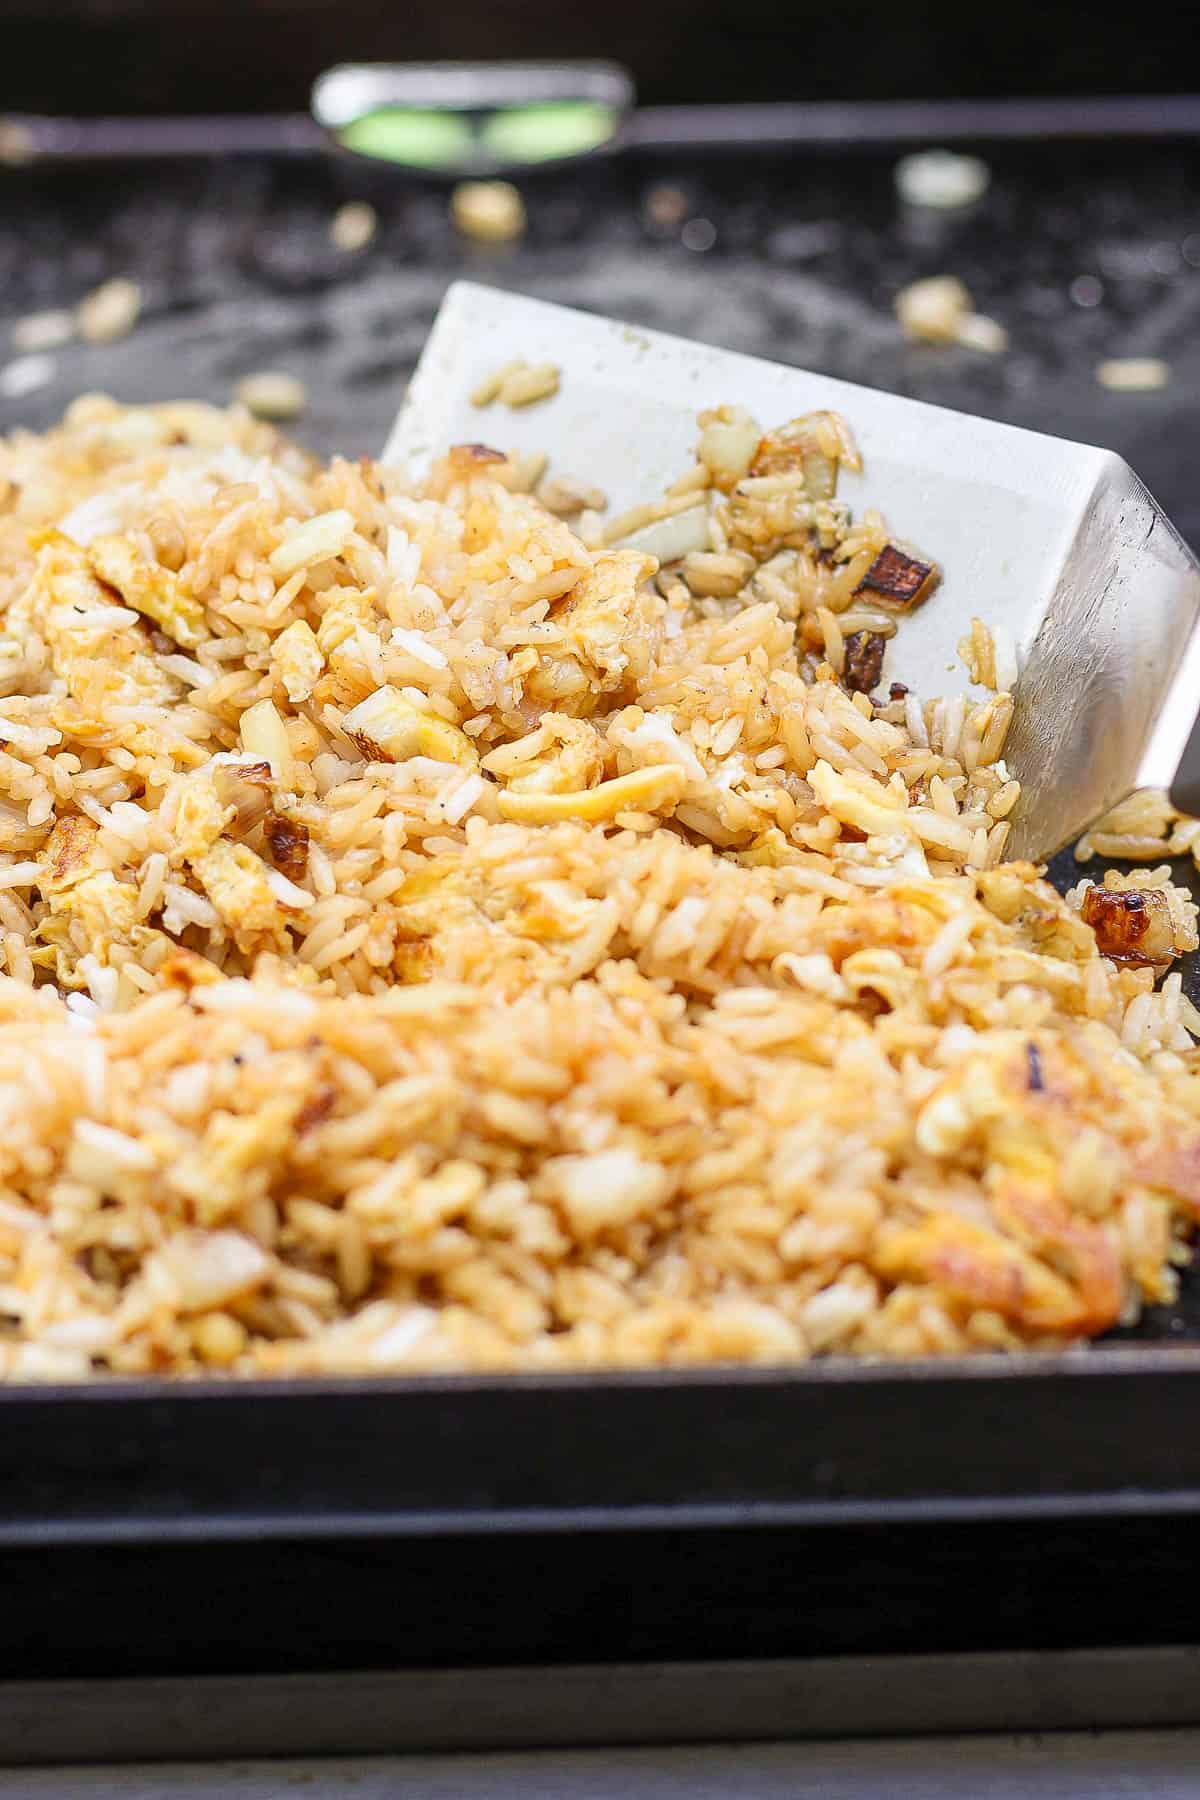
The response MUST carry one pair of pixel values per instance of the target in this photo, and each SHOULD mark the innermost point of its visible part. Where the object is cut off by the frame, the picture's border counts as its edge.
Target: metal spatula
(1059, 543)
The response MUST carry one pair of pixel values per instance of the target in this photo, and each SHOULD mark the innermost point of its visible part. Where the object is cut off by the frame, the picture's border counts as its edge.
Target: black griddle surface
(1082, 251)
(807, 253)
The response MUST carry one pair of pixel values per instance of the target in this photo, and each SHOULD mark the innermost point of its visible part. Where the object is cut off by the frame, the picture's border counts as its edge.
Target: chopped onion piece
(673, 538)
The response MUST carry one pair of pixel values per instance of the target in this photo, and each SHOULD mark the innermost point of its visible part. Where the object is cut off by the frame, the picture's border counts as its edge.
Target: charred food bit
(899, 578)
(1033, 1058)
(470, 459)
(287, 840)
(316, 1109)
(863, 661)
(1132, 925)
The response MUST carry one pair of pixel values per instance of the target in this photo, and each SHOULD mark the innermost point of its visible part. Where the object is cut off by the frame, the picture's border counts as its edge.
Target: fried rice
(434, 935)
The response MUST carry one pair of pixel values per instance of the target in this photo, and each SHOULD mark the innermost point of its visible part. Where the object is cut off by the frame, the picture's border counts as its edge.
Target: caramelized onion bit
(1132, 925)
(245, 786)
(467, 458)
(899, 577)
(316, 1109)
(814, 445)
(863, 661)
(287, 840)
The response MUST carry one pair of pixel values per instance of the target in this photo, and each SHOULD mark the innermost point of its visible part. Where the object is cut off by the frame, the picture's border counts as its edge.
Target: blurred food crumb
(941, 178)
(1133, 374)
(666, 205)
(110, 312)
(491, 212)
(939, 310)
(272, 394)
(518, 384)
(16, 143)
(25, 375)
(1086, 290)
(43, 331)
(560, 494)
(353, 225)
(698, 234)
(934, 311)
(978, 332)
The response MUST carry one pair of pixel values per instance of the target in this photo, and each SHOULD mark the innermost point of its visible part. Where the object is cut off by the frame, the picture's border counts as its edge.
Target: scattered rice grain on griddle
(429, 941)
(1143, 828)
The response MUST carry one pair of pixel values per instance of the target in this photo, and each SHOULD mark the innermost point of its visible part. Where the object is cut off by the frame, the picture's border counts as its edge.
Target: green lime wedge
(423, 140)
(528, 134)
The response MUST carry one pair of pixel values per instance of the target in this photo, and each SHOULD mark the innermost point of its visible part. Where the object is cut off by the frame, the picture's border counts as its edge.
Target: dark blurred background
(1082, 250)
(106, 56)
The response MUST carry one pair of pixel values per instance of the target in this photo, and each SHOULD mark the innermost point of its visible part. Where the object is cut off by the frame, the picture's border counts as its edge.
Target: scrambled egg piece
(95, 647)
(986, 1269)
(297, 660)
(201, 817)
(345, 609)
(149, 589)
(70, 853)
(644, 790)
(81, 890)
(560, 757)
(610, 625)
(1037, 1260)
(105, 908)
(452, 917)
(387, 727)
(236, 882)
(347, 613)
(235, 1159)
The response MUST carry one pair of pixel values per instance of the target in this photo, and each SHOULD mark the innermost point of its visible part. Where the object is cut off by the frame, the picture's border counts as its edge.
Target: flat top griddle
(1083, 251)
(294, 1518)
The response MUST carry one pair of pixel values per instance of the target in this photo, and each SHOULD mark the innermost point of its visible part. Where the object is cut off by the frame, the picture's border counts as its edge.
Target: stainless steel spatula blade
(1056, 542)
